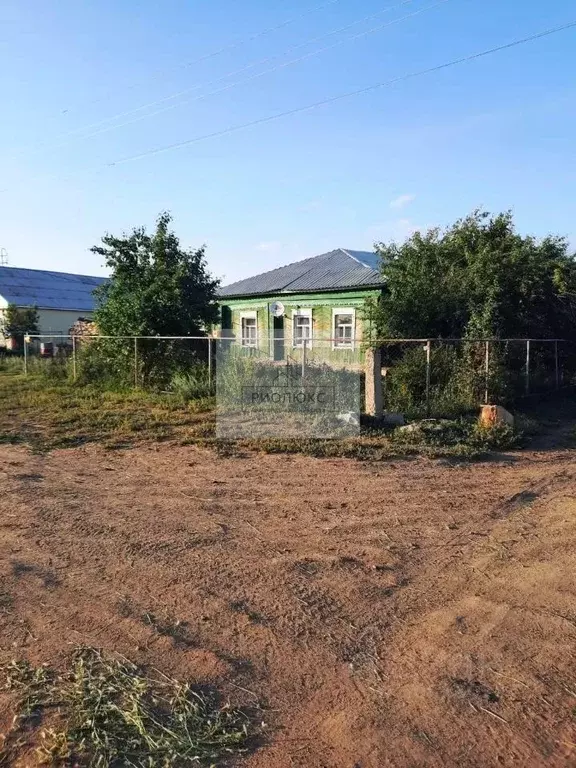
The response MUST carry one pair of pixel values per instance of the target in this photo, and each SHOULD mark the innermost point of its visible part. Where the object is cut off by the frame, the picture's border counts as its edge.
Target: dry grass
(47, 414)
(109, 713)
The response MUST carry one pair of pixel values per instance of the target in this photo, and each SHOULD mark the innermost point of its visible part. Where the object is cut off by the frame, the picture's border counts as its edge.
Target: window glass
(302, 328)
(248, 331)
(343, 329)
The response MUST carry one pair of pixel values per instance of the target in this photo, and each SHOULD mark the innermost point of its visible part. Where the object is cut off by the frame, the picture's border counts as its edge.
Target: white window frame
(307, 312)
(343, 311)
(244, 339)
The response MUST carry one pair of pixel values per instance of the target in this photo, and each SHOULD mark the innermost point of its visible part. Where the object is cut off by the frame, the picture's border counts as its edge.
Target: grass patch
(462, 435)
(49, 415)
(59, 414)
(106, 713)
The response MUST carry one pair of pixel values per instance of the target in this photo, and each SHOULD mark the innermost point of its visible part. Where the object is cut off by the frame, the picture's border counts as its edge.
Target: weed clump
(108, 714)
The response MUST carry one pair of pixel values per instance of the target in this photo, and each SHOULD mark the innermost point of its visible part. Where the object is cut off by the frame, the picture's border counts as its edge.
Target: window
(343, 324)
(302, 327)
(249, 329)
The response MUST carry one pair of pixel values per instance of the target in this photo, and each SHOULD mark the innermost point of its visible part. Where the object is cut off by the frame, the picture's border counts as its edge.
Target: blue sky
(498, 132)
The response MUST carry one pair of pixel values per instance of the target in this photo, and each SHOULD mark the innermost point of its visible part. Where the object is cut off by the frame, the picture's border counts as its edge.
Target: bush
(106, 362)
(192, 384)
(495, 437)
(457, 379)
(115, 363)
(442, 433)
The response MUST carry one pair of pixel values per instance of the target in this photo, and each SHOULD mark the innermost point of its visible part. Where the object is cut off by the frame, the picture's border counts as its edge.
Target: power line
(349, 94)
(226, 48)
(238, 71)
(261, 74)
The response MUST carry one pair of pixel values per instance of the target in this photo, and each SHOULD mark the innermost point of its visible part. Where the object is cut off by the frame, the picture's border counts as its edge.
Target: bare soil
(407, 613)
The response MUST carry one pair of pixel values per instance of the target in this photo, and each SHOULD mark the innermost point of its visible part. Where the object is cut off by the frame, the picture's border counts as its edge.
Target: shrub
(465, 433)
(457, 379)
(192, 384)
(494, 437)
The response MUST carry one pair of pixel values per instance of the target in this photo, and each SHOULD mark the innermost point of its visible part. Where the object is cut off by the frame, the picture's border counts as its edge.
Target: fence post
(304, 356)
(373, 382)
(556, 364)
(136, 361)
(209, 364)
(428, 349)
(74, 358)
(25, 354)
(527, 366)
(487, 373)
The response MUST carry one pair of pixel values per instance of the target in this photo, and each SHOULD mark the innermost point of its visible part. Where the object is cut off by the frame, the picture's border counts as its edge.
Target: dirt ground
(407, 613)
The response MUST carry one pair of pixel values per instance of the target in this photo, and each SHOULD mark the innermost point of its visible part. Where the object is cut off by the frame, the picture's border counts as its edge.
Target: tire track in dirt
(357, 602)
(486, 632)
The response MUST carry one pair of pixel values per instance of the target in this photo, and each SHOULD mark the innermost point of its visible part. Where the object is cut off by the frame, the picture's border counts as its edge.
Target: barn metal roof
(339, 269)
(48, 290)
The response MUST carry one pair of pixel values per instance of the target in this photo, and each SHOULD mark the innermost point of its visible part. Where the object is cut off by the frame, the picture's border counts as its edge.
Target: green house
(317, 305)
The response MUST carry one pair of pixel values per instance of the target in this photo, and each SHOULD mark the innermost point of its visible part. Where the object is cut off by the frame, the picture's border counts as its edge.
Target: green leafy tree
(478, 277)
(156, 289)
(17, 321)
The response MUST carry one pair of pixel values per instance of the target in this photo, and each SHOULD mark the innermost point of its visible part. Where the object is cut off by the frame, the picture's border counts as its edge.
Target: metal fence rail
(425, 375)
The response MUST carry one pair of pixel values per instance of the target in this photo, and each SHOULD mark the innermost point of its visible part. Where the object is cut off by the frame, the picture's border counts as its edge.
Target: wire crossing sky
(334, 124)
(348, 95)
(243, 69)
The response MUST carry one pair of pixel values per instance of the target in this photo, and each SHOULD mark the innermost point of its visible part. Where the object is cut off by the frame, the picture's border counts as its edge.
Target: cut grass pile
(106, 712)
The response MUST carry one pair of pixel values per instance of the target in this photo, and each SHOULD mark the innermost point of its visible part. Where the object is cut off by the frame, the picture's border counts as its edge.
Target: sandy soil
(409, 613)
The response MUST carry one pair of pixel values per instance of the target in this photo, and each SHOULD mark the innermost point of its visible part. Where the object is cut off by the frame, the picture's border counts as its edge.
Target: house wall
(322, 306)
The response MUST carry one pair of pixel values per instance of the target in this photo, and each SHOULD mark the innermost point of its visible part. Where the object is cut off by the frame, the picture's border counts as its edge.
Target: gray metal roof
(48, 290)
(340, 269)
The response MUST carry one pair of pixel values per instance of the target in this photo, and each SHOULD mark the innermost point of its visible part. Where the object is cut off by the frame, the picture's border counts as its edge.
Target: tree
(478, 277)
(156, 289)
(17, 321)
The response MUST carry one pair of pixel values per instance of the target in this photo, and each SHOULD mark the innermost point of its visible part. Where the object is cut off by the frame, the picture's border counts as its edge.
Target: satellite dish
(277, 309)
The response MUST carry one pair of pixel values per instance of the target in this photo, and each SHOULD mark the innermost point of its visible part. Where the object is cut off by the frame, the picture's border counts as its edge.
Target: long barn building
(60, 298)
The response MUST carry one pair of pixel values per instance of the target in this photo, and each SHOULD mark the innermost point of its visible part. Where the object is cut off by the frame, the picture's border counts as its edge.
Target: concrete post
(428, 350)
(373, 386)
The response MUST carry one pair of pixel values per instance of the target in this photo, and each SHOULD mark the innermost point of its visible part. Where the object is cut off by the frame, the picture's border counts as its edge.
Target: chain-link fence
(183, 364)
(276, 386)
(451, 376)
(419, 376)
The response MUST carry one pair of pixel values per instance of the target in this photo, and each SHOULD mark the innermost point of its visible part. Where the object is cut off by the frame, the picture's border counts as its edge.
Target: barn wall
(56, 321)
